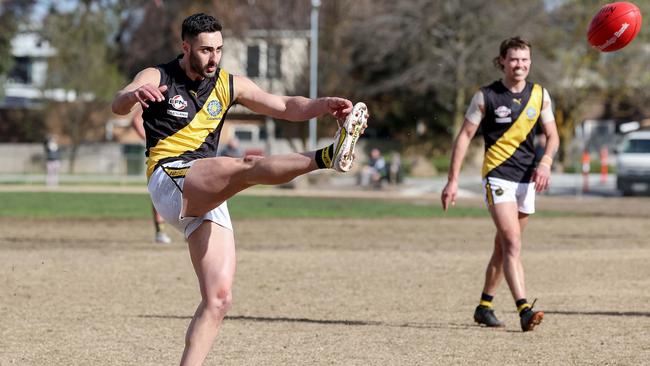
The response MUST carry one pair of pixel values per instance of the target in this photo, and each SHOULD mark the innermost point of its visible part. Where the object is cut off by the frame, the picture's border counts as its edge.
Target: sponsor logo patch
(502, 111)
(178, 114)
(503, 114)
(178, 102)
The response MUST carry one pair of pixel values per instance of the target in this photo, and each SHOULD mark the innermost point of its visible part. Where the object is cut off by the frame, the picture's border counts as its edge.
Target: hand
(148, 92)
(449, 194)
(541, 177)
(338, 107)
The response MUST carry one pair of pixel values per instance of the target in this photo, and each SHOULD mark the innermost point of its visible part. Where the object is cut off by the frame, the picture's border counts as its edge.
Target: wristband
(546, 160)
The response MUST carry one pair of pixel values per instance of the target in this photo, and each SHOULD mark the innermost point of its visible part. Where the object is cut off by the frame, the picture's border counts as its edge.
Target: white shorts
(166, 190)
(500, 190)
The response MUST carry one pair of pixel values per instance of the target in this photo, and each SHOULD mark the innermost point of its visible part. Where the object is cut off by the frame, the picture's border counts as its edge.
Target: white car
(633, 163)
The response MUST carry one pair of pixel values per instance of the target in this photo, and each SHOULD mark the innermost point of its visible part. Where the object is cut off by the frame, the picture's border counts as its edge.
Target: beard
(197, 67)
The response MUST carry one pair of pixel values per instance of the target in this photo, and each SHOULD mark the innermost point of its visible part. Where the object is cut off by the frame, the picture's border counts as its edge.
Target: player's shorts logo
(214, 108)
(499, 191)
(178, 102)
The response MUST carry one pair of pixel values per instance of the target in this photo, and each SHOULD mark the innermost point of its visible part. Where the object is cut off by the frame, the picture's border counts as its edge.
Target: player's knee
(510, 244)
(219, 303)
(512, 248)
(247, 163)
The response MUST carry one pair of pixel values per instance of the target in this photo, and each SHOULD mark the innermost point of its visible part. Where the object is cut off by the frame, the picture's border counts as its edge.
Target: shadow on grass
(600, 313)
(345, 322)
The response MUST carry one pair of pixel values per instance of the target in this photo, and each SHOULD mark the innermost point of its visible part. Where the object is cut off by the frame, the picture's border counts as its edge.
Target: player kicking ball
(185, 102)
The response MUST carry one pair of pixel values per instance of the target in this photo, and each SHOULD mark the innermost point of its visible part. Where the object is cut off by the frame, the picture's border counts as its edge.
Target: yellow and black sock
(160, 226)
(324, 157)
(522, 306)
(486, 300)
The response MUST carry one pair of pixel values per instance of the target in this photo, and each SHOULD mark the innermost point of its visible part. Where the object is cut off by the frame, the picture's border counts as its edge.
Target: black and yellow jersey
(187, 124)
(508, 128)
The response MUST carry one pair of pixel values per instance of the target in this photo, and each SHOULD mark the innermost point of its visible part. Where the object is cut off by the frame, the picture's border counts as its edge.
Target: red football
(614, 26)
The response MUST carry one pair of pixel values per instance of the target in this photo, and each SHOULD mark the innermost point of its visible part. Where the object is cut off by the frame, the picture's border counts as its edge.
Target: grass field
(133, 205)
(136, 205)
(360, 282)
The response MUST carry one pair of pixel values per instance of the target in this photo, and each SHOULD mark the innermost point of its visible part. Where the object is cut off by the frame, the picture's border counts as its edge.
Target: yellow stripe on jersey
(192, 136)
(508, 143)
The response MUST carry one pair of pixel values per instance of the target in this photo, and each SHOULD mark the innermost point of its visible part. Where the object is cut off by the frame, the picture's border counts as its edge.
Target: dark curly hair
(517, 43)
(199, 23)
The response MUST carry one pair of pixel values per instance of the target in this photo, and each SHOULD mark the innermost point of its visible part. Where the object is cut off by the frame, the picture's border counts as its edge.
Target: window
(253, 61)
(637, 146)
(244, 135)
(274, 61)
(21, 71)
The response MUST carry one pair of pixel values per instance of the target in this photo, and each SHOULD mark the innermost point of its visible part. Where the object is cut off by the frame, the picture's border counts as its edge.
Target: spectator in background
(232, 149)
(52, 161)
(160, 236)
(395, 171)
(374, 171)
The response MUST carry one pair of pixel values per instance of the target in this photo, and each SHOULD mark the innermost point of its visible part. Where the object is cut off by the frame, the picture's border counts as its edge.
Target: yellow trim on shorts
(173, 172)
(488, 194)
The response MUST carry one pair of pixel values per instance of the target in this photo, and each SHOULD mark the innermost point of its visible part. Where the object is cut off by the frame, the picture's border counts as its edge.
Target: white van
(633, 163)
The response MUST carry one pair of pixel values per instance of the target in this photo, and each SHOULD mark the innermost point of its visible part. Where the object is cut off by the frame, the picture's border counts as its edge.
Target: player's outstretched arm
(291, 108)
(144, 88)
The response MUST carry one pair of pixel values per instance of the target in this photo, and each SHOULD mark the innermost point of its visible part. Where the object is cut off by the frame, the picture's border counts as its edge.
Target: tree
(84, 69)
(420, 61)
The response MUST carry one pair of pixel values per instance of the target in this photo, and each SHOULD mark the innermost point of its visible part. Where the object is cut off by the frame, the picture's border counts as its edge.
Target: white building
(275, 60)
(25, 82)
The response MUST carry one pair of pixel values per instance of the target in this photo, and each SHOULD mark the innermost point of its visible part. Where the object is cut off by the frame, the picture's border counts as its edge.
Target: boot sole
(353, 128)
(488, 325)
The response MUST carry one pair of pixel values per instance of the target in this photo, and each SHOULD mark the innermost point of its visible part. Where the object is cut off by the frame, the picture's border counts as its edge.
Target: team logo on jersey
(178, 102)
(214, 108)
(503, 114)
(531, 112)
